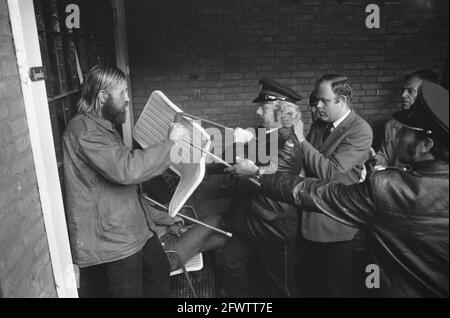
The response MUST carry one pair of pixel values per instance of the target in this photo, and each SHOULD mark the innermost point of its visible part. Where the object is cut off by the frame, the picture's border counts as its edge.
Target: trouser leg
(143, 274)
(93, 283)
(156, 270)
(340, 269)
(124, 277)
(310, 274)
(279, 269)
(233, 263)
(325, 269)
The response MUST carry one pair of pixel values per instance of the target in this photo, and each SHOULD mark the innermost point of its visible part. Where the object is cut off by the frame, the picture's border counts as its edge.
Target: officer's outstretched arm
(352, 205)
(280, 186)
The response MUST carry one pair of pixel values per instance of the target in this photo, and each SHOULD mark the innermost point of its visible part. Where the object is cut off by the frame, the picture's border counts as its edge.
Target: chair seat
(194, 264)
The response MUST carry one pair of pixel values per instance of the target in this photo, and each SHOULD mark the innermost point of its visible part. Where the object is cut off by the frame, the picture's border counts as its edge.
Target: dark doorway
(68, 55)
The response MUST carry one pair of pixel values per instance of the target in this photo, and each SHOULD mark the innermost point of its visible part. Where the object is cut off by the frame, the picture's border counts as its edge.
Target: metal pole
(190, 219)
(220, 160)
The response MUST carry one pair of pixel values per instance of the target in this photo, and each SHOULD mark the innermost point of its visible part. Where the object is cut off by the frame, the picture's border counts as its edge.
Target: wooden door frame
(26, 41)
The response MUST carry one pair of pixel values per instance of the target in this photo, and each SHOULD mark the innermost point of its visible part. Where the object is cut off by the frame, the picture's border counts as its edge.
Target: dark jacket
(259, 217)
(340, 158)
(405, 214)
(105, 215)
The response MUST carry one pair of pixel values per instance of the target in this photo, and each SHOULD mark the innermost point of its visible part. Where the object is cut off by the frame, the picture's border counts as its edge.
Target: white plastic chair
(194, 264)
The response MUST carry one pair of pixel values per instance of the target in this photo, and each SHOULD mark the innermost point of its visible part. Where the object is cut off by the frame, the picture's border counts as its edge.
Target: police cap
(429, 113)
(271, 90)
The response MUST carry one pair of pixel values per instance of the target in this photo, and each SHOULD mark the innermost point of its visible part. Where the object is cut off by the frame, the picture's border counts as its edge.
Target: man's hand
(177, 229)
(177, 132)
(242, 136)
(298, 130)
(373, 158)
(244, 168)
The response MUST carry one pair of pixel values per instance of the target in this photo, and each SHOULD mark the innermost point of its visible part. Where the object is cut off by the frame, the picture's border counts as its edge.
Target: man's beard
(111, 113)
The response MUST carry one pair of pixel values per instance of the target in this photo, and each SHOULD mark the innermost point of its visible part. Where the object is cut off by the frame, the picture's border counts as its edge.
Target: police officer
(405, 212)
(263, 228)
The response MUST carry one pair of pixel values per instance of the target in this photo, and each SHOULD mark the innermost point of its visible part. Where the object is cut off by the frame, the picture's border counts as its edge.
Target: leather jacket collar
(431, 168)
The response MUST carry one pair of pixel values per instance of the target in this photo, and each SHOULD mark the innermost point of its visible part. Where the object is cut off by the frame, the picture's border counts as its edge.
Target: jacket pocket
(265, 220)
(115, 206)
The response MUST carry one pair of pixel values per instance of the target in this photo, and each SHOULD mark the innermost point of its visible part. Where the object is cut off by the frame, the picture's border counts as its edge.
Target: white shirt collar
(340, 120)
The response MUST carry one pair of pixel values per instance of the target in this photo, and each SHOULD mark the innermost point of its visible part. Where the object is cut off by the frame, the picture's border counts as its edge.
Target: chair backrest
(153, 126)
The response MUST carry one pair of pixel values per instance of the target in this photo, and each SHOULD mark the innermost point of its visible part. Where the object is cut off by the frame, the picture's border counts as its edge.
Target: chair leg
(191, 286)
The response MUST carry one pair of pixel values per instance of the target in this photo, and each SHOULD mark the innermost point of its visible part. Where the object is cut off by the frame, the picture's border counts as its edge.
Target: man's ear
(103, 96)
(343, 100)
(427, 145)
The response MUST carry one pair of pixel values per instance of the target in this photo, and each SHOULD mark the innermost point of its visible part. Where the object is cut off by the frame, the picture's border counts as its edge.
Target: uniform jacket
(259, 217)
(405, 214)
(340, 158)
(105, 214)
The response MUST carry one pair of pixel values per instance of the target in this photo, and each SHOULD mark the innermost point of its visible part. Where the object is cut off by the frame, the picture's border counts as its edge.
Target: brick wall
(207, 56)
(25, 268)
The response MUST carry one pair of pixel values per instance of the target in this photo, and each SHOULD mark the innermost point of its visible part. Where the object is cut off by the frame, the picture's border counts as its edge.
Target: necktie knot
(327, 131)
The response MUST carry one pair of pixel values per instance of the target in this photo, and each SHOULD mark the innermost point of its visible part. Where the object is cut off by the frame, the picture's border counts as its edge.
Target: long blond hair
(282, 109)
(100, 77)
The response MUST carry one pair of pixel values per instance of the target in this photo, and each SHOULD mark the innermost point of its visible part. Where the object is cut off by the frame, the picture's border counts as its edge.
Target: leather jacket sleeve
(352, 205)
(280, 186)
(120, 164)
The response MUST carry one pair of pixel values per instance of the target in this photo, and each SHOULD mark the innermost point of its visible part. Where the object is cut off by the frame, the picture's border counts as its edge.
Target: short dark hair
(340, 85)
(100, 77)
(313, 98)
(439, 150)
(424, 74)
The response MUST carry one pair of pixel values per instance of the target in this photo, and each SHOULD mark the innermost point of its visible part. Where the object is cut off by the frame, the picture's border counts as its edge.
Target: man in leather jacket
(111, 227)
(406, 213)
(263, 228)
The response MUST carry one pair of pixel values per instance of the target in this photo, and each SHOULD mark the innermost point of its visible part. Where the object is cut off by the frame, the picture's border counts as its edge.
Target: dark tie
(327, 132)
